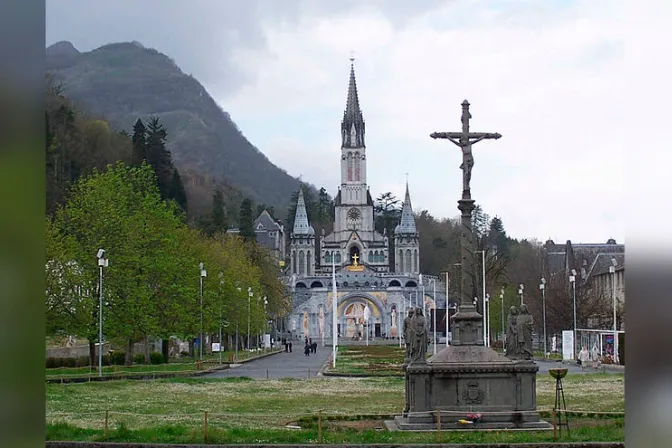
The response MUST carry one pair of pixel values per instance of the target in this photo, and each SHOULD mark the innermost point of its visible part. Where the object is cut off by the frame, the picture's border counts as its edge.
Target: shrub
(184, 354)
(68, 362)
(118, 358)
(52, 363)
(138, 358)
(83, 361)
(156, 358)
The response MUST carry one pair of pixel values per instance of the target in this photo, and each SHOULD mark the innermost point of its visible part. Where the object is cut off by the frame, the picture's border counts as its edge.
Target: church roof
(301, 224)
(407, 223)
(352, 117)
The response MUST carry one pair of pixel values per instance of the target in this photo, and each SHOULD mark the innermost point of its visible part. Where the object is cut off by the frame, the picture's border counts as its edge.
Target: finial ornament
(352, 56)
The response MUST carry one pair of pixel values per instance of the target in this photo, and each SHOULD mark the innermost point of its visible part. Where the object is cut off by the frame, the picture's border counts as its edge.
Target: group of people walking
(309, 347)
(287, 344)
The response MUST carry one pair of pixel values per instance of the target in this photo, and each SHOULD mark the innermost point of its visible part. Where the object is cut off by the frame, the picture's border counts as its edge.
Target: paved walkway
(282, 365)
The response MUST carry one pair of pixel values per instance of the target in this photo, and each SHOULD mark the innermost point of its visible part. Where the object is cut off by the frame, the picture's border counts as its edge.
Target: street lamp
(237, 319)
(265, 320)
(249, 304)
(434, 296)
(501, 298)
(200, 340)
(424, 306)
(542, 286)
(102, 263)
(521, 288)
(221, 285)
(486, 315)
(612, 271)
(572, 280)
(485, 336)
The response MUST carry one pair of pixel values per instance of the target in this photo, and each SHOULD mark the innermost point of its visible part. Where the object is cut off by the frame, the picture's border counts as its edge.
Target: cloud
(552, 77)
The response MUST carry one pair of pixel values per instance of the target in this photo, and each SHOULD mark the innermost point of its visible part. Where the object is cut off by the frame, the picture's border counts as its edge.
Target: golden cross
(355, 258)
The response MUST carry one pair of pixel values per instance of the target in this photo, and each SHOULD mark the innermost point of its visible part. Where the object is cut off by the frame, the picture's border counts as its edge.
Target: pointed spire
(352, 127)
(407, 222)
(301, 225)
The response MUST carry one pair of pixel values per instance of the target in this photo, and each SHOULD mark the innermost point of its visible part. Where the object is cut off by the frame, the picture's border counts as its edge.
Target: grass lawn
(241, 410)
(384, 360)
(175, 365)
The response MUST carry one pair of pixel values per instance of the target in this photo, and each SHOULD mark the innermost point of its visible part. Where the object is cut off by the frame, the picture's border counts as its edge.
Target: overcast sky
(552, 77)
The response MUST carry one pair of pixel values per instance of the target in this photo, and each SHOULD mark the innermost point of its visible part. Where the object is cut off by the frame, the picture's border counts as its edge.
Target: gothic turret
(352, 126)
(406, 240)
(302, 241)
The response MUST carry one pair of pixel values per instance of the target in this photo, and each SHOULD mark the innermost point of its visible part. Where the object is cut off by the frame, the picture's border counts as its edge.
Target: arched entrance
(351, 318)
(355, 255)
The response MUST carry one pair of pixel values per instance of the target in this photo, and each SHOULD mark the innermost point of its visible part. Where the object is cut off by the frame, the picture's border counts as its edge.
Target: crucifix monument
(467, 377)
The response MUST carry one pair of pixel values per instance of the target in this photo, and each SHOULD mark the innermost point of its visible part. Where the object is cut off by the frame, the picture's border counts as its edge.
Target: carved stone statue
(511, 334)
(420, 337)
(408, 337)
(525, 327)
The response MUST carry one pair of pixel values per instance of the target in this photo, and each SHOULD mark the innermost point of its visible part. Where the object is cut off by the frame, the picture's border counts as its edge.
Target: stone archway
(351, 316)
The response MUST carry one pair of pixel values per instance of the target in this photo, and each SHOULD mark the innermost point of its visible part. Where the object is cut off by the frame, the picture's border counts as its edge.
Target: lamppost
(434, 319)
(485, 332)
(572, 280)
(612, 271)
(249, 310)
(102, 263)
(221, 285)
(542, 286)
(501, 298)
(521, 288)
(487, 320)
(424, 305)
(265, 320)
(237, 319)
(200, 339)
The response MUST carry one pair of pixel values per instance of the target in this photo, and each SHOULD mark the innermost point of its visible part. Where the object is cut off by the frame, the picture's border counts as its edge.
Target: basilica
(372, 294)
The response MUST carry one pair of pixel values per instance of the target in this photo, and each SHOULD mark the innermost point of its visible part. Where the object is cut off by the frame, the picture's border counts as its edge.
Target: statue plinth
(467, 379)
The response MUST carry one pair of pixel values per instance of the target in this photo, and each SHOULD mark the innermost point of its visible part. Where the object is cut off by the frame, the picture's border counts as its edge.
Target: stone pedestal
(471, 379)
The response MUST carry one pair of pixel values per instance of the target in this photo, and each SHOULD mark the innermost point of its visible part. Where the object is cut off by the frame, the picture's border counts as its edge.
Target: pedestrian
(584, 357)
(595, 356)
(314, 347)
(290, 346)
(306, 349)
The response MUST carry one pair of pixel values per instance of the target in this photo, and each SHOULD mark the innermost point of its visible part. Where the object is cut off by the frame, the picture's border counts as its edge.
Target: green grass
(586, 430)
(382, 360)
(176, 365)
(242, 410)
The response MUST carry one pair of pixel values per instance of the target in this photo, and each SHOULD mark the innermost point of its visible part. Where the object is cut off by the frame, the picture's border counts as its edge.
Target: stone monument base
(471, 379)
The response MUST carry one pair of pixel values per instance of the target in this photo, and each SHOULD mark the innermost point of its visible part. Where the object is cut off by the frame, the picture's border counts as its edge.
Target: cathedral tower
(302, 241)
(406, 240)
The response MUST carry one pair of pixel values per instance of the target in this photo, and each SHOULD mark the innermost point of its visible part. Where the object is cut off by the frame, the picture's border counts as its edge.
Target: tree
(139, 140)
(387, 212)
(121, 211)
(177, 191)
(246, 220)
(159, 157)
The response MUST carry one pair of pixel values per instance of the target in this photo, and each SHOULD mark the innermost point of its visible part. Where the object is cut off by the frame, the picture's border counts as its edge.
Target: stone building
(358, 253)
(270, 233)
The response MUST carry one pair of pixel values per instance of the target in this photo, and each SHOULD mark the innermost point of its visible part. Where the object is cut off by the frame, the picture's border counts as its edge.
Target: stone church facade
(358, 254)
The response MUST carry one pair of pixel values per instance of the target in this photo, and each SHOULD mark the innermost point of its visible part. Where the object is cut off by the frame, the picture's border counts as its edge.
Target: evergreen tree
(497, 238)
(159, 157)
(246, 220)
(218, 217)
(139, 140)
(177, 191)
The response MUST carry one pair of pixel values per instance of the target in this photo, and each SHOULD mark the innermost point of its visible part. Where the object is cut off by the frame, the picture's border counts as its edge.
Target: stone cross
(354, 259)
(468, 322)
(464, 140)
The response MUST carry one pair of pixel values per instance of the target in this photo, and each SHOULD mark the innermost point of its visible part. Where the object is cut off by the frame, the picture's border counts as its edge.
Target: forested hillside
(126, 81)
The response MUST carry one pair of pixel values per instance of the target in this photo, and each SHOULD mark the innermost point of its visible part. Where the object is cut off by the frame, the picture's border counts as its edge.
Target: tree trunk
(129, 352)
(92, 354)
(165, 349)
(191, 347)
(146, 350)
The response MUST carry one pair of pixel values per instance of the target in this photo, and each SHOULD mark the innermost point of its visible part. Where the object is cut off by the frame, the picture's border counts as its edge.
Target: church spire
(352, 127)
(301, 224)
(407, 223)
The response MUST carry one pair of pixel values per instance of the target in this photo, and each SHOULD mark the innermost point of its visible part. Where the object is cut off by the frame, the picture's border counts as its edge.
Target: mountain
(126, 81)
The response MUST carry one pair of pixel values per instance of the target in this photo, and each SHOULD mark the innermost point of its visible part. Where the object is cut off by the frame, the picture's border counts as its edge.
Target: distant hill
(126, 81)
